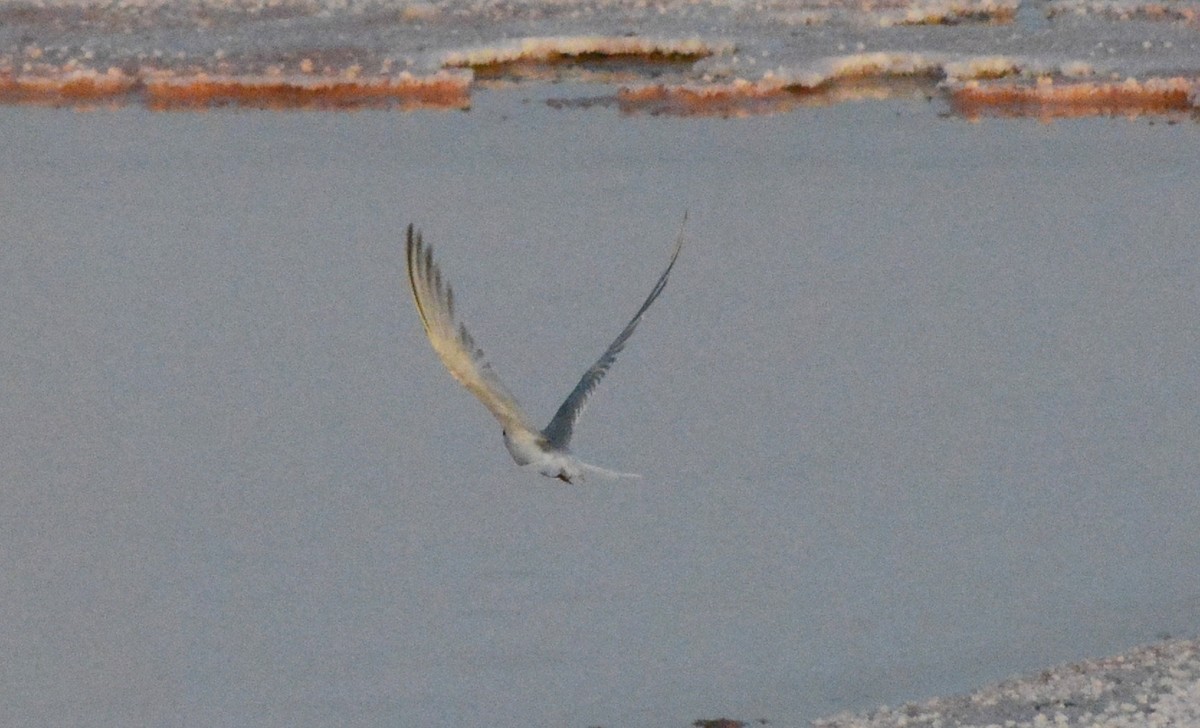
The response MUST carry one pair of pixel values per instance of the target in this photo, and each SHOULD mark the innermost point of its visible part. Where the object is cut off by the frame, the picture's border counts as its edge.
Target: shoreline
(1156, 684)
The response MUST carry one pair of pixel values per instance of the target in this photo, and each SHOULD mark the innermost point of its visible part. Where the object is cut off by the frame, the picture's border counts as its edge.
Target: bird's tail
(590, 469)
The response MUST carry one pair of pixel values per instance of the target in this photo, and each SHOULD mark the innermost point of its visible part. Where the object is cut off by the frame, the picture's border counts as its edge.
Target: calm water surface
(919, 409)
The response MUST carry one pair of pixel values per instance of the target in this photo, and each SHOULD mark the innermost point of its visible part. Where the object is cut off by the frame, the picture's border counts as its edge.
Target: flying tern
(545, 449)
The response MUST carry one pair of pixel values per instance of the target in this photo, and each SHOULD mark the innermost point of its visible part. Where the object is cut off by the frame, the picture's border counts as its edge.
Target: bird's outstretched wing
(454, 346)
(558, 432)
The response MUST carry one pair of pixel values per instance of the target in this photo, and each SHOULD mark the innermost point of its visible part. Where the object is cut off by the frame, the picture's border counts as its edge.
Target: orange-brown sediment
(442, 91)
(1074, 98)
(163, 91)
(66, 89)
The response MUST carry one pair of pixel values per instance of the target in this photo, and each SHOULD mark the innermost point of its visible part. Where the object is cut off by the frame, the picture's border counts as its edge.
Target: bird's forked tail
(590, 469)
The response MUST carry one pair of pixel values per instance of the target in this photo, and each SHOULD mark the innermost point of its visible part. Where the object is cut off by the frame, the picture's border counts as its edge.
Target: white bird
(545, 449)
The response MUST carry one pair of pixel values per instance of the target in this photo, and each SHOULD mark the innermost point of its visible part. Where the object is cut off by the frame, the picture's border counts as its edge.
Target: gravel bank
(1156, 685)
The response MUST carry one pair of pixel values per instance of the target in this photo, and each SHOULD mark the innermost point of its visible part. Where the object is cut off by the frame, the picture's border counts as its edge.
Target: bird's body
(531, 448)
(547, 449)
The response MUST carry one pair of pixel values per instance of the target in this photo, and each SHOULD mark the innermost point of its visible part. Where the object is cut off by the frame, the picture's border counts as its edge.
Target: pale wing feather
(454, 346)
(558, 432)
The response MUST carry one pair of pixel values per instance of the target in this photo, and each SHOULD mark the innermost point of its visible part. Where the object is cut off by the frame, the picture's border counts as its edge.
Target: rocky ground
(1157, 685)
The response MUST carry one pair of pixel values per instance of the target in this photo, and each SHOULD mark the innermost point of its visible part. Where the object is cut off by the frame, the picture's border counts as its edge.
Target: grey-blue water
(919, 409)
